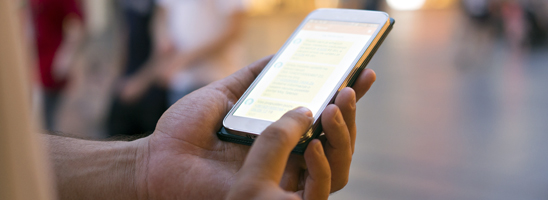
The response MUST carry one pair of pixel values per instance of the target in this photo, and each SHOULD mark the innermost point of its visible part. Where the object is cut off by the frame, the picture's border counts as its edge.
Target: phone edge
(224, 135)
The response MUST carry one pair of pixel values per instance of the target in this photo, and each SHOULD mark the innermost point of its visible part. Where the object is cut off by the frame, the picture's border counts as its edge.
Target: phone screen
(309, 68)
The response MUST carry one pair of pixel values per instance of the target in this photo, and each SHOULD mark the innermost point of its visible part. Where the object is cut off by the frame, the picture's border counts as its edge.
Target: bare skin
(184, 159)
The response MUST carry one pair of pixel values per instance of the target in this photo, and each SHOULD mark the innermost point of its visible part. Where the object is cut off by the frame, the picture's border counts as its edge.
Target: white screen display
(308, 69)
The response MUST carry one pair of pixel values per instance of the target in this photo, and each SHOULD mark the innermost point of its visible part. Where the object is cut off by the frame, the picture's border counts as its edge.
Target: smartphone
(326, 53)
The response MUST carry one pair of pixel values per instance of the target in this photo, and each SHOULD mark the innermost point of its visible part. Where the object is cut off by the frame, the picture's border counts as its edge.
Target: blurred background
(459, 109)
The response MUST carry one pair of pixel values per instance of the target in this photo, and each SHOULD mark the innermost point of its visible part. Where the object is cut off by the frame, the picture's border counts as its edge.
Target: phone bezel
(245, 126)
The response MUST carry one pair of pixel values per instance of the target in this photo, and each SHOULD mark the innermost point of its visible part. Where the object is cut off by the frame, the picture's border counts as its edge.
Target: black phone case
(300, 148)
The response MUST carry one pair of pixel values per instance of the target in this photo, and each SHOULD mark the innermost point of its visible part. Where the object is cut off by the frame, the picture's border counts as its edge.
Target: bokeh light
(326, 3)
(406, 4)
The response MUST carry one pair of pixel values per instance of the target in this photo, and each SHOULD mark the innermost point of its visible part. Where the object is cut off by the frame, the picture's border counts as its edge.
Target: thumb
(270, 152)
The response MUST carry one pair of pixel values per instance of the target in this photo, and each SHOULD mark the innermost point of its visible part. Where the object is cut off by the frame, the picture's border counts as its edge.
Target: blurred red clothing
(48, 17)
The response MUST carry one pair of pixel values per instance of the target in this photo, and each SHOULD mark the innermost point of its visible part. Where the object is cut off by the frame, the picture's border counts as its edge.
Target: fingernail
(304, 110)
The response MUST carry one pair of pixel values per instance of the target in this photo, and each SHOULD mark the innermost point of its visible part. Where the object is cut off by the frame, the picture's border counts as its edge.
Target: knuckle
(352, 105)
(279, 134)
(301, 120)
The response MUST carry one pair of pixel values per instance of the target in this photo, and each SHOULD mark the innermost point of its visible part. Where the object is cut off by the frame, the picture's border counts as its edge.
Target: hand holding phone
(185, 159)
(260, 175)
(324, 55)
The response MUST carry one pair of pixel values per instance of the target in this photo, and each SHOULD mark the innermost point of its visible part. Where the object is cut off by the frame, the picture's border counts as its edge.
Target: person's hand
(170, 65)
(260, 176)
(184, 158)
(132, 89)
(62, 63)
(66, 55)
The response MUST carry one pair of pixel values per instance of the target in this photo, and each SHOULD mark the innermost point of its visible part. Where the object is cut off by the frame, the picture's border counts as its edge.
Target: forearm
(93, 169)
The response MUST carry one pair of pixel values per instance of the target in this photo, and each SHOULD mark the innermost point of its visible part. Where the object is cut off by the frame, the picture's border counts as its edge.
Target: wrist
(140, 171)
(95, 170)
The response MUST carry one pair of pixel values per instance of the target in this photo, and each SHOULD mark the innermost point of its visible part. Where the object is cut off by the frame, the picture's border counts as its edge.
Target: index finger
(269, 153)
(364, 82)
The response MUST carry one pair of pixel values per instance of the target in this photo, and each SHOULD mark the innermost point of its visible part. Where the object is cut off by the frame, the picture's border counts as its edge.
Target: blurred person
(59, 35)
(537, 19)
(174, 57)
(477, 9)
(202, 35)
(478, 35)
(524, 22)
(138, 102)
(514, 23)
